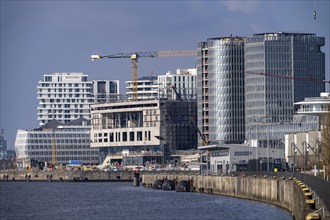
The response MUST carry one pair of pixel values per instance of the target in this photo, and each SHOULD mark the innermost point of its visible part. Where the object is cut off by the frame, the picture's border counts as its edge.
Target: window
(124, 136)
(111, 137)
(131, 136)
(139, 136)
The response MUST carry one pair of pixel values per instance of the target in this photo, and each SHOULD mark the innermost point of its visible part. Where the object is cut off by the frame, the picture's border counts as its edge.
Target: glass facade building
(71, 140)
(3, 146)
(281, 69)
(221, 90)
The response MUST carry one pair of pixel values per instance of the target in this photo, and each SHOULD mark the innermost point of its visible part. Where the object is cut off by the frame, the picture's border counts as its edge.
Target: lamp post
(268, 144)
(304, 143)
(257, 150)
(293, 145)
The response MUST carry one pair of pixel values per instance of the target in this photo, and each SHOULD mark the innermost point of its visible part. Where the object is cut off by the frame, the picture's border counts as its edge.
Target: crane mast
(134, 60)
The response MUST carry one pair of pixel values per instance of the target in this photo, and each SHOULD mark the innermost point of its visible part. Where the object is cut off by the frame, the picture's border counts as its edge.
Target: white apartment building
(184, 81)
(154, 87)
(68, 96)
(147, 88)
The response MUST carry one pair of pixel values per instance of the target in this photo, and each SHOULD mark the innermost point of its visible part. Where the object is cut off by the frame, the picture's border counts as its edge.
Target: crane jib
(163, 53)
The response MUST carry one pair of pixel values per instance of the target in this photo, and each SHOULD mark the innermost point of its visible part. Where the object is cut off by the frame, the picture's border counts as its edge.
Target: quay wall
(281, 192)
(63, 175)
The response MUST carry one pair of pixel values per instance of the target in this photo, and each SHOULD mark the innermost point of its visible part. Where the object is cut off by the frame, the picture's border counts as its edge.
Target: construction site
(139, 126)
(162, 126)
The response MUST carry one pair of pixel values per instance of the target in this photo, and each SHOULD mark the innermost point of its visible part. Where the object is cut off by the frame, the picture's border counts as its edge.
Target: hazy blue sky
(42, 37)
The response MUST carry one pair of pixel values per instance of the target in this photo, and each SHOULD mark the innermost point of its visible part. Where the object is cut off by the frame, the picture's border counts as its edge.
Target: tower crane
(136, 55)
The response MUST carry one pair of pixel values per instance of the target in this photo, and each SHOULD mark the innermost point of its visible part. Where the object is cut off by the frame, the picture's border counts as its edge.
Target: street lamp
(293, 145)
(257, 154)
(304, 144)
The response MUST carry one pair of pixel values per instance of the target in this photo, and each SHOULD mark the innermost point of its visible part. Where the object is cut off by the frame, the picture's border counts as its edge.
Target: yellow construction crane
(134, 59)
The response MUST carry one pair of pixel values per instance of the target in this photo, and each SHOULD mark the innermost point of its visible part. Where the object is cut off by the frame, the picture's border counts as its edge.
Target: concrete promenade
(282, 192)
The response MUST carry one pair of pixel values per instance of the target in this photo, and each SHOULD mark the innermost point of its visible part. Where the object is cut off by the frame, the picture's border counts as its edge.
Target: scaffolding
(178, 130)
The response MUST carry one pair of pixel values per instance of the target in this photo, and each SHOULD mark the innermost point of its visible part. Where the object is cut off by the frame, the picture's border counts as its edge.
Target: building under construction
(148, 125)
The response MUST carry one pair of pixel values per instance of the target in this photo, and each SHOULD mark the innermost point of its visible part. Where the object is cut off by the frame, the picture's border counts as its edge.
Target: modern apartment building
(280, 69)
(309, 143)
(155, 87)
(71, 141)
(220, 79)
(184, 82)
(68, 96)
(147, 88)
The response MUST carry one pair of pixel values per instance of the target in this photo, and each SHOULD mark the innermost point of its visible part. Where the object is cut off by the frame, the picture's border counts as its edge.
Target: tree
(325, 142)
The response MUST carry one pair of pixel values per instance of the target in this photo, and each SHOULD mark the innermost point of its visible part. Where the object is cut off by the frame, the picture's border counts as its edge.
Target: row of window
(58, 141)
(122, 136)
(68, 85)
(59, 146)
(61, 135)
(67, 101)
(48, 95)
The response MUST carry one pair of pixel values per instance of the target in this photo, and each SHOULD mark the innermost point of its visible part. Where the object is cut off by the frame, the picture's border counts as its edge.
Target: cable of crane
(309, 78)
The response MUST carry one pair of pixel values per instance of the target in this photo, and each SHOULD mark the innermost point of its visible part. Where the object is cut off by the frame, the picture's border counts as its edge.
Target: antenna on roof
(314, 12)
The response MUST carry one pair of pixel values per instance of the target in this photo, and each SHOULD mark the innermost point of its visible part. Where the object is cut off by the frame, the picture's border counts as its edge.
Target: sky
(44, 37)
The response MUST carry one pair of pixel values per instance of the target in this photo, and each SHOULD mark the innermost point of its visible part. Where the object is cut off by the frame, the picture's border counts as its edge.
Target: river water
(115, 200)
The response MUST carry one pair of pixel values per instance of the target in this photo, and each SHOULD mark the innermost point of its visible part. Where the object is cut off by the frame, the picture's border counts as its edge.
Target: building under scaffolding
(150, 125)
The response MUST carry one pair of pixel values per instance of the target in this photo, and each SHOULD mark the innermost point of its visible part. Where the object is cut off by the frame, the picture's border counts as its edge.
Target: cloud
(241, 6)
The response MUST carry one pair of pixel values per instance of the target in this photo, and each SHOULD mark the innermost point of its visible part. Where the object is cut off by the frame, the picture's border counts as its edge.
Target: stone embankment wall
(62, 175)
(280, 192)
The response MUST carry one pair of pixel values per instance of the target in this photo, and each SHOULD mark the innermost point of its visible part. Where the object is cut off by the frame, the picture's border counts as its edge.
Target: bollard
(49, 178)
(311, 216)
(306, 189)
(310, 203)
(308, 195)
(136, 179)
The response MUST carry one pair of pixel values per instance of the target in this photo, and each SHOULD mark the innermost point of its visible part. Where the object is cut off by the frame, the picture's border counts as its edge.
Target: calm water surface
(104, 200)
